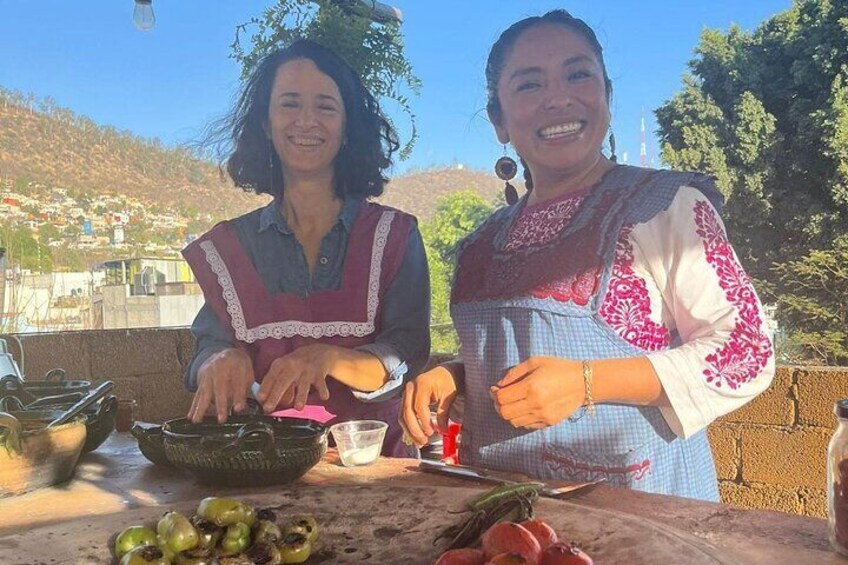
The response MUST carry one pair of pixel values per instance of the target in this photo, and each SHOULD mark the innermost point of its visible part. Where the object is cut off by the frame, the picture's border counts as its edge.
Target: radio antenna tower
(643, 143)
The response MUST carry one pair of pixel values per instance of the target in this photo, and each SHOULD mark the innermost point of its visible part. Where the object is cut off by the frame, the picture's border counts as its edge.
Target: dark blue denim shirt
(403, 344)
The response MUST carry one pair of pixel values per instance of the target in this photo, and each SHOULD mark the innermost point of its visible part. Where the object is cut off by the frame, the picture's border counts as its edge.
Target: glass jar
(837, 481)
(124, 419)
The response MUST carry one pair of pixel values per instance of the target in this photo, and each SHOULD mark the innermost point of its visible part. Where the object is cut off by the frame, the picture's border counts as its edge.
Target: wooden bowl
(33, 457)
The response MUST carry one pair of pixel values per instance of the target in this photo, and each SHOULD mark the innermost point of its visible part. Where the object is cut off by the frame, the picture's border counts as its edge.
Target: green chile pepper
(209, 533)
(295, 548)
(177, 533)
(264, 553)
(267, 531)
(226, 511)
(145, 555)
(236, 539)
(133, 537)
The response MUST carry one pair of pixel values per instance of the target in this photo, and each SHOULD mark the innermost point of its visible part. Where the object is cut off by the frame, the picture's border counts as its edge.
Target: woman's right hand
(436, 386)
(224, 380)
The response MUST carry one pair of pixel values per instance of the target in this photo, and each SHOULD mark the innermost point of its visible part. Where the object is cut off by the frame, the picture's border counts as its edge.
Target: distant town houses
(89, 221)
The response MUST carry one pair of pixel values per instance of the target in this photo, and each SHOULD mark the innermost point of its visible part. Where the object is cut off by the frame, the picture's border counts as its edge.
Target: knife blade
(466, 472)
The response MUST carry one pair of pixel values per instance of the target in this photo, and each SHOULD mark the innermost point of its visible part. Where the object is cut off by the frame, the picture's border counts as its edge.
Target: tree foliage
(24, 250)
(457, 215)
(766, 113)
(816, 302)
(374, 51)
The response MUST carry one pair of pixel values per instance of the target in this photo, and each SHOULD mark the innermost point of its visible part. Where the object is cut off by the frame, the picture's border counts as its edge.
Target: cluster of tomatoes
(532, 542)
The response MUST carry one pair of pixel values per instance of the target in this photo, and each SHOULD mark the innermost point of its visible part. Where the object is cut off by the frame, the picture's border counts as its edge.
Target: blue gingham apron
(629, 446)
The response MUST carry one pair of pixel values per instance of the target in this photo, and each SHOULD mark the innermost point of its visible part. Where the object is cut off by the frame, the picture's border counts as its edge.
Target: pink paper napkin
(310, 412)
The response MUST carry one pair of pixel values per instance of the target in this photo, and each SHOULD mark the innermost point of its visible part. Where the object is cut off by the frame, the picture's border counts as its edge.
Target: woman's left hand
(540, 392)
(295, 374)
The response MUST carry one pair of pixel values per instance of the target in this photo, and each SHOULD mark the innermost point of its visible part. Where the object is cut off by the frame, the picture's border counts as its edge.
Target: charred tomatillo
(133, 537)
(226, 511)
(267, 531)
(236, 539)
(306, 525)
(263, 553)
(145, 555)
(295, 548)
(177, 533)
(170, 554)
(209, 533)
(196, 556)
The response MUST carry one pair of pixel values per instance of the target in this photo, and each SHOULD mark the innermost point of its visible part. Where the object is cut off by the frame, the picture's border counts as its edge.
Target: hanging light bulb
(143, 17)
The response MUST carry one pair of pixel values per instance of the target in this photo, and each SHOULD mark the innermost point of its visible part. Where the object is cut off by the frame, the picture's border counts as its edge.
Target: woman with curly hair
(320, 297)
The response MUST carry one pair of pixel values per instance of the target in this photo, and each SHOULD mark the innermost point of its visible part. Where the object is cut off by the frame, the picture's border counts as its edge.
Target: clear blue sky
(169, 82)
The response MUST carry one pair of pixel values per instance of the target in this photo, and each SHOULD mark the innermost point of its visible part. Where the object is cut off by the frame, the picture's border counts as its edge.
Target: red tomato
(509, 537)
(508, 559)
(562, 553)
(544, 534)
(463, 556)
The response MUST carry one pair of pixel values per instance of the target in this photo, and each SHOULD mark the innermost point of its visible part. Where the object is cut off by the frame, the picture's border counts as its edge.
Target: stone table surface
(117, 478)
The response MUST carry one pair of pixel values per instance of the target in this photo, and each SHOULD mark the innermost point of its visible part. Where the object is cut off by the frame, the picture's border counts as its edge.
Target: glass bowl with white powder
(359, 441)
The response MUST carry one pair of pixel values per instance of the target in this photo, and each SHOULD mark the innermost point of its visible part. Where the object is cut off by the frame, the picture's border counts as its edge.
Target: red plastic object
(450, 454)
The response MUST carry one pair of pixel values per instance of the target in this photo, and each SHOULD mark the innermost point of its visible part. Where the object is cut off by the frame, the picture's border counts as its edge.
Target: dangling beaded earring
(613, 156)
(505, 169)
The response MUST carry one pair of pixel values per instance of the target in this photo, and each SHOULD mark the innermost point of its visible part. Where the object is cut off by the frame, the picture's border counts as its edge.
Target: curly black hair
(503, 47)
(250, 158)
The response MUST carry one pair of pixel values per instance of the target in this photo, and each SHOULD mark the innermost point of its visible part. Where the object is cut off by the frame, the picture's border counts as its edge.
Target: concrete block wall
(769, 454)
(146, 365)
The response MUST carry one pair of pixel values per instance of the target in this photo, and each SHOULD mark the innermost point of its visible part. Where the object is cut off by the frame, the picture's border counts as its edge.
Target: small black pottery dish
(245, 450)
(151, 442)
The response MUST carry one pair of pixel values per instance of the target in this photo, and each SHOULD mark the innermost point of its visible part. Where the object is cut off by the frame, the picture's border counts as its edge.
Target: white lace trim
(291, 328)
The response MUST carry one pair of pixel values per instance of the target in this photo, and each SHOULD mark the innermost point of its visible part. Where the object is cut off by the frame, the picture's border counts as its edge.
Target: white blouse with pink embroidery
(676, 274)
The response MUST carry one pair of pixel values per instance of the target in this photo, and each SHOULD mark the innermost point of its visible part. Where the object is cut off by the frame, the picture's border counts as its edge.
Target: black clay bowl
(246, 450)
(100, 422)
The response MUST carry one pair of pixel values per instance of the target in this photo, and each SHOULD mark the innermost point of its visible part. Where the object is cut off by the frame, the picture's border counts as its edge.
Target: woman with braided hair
(604, 319)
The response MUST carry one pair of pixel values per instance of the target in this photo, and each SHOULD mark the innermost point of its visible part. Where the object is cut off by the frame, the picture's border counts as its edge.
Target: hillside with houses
(89, 192)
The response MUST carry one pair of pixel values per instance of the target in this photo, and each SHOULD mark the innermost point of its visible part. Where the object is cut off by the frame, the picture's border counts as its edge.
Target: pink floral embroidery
(748, 349)
(540, 225)
(627, 305)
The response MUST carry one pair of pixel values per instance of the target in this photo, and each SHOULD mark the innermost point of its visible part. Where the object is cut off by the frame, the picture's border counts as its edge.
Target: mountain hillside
(47, 145)
(419, 192)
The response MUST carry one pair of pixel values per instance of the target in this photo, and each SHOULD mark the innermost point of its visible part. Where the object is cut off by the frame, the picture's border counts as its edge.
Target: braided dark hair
(503, 47)
(250, 158)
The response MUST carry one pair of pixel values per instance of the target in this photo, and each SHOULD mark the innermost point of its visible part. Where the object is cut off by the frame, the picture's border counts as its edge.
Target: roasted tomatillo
(177, 533)
(133, 537)
(226, 511)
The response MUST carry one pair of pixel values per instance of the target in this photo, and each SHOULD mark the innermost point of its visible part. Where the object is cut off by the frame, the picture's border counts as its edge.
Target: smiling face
(553, 102)
(306, 119)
